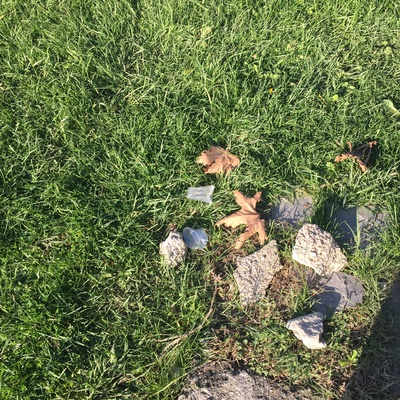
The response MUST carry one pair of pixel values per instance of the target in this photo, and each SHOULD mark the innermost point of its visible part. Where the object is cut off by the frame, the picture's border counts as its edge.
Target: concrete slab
(220, 381)
(255, 272)
(318, 250)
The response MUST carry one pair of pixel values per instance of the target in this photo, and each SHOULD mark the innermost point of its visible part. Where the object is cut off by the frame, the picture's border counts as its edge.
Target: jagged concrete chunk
(255, 272)
(317, 249)
(292, 212)
(308, 329)
(340, 291)
(173, 249)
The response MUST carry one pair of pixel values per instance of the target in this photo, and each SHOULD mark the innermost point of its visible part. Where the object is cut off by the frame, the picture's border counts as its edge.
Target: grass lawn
(104, 108)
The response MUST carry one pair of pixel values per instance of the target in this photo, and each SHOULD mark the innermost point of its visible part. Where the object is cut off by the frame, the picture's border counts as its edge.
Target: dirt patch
(220, 380)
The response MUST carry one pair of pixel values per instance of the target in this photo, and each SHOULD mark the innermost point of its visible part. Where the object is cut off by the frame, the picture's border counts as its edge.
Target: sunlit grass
(105, 107)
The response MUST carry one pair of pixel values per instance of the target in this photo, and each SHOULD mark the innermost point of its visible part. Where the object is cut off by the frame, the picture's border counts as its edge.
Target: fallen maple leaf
(216, 160)
(358, 154)
(247, 215)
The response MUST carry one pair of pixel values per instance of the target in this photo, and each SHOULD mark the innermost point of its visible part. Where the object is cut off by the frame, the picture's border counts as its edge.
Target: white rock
(255, 272)
(308, 329)
(173, 249)
(317, 249)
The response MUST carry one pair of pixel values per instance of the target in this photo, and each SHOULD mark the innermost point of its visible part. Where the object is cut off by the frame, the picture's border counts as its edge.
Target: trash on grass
(195, 239)
(201, 193)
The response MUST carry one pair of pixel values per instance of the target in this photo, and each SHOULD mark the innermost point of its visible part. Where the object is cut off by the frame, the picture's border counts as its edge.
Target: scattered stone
(308, 328)
(339, 292)
(255, 272)
(173, 249)
(317, 249)
(220, 381)
(358, 226)
(293, 213)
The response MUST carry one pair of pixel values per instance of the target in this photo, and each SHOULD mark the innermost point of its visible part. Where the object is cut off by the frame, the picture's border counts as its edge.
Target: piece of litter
(201, 193)
(195, 239)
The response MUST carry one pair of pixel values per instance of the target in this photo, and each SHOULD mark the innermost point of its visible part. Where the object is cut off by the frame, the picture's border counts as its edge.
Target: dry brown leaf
(358, 154)
(216, 160)
(247, 215)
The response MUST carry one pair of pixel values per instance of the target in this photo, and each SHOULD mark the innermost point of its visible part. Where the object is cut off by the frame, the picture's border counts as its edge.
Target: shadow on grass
(377, 374)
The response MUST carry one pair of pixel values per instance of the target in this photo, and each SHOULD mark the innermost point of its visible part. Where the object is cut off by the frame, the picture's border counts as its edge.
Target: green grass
(105, 107)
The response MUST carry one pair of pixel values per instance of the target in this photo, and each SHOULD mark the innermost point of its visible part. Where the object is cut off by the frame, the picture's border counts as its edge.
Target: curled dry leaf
(216, 160)
(361, 154)
(247, 215)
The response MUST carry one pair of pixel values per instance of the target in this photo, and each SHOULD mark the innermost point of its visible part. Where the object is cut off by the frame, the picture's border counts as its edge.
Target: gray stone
(292, 213)
(173, 249)
(308, 328)
(340, 291)
(255, 272)
(317, 249)
(219, 381)
(358, 226)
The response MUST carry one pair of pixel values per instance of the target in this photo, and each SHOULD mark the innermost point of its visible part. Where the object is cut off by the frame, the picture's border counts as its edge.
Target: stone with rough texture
(219, 381)
(292, 212)
(173, 249)
(317, 249)
(339, 292)
(308, 328)
(255, 272)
